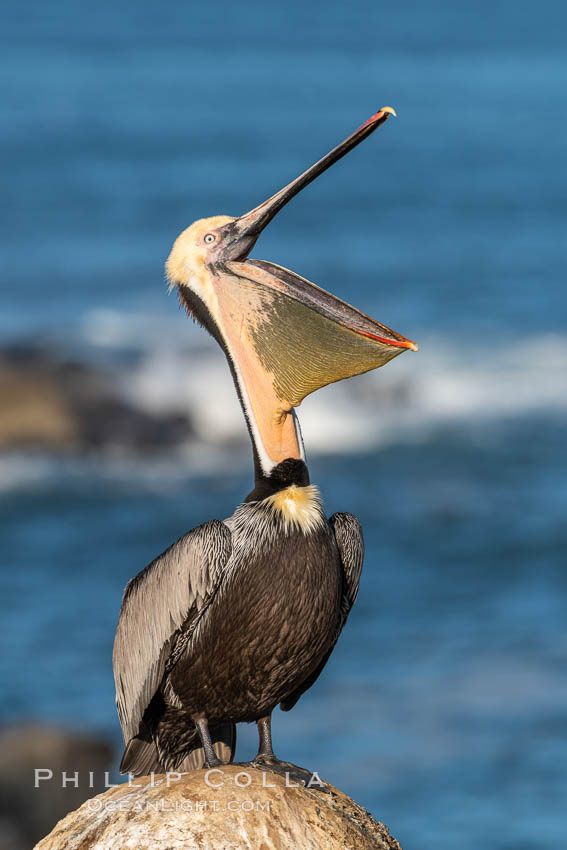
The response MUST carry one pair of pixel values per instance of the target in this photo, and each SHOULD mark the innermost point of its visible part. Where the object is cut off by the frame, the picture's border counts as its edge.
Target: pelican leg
(265, 759)
(265, 752)
(202, 726)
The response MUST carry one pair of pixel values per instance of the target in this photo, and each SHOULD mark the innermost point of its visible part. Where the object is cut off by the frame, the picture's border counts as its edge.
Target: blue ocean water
(443, 707)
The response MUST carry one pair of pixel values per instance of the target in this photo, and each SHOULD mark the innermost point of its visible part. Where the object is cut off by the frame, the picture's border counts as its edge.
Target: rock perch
(227, 808)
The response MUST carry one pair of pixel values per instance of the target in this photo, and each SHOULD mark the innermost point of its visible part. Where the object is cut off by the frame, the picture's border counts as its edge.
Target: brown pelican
(239, 616)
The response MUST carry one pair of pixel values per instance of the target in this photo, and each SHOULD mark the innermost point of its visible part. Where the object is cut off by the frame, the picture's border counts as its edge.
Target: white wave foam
(447, 383)
(33, 472)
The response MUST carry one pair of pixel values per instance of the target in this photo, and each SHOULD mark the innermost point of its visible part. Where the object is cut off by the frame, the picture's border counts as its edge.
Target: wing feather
(178, 586)
(348, 534)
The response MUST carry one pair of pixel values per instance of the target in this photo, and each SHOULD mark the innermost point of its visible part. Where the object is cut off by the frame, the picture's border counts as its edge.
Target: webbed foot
(266, 760)
(294, 776)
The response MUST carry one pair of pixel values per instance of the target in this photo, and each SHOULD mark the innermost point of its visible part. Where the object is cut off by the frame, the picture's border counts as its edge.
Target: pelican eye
(210, 237)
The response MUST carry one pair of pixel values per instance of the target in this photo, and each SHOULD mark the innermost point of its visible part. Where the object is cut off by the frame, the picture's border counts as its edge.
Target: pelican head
(283, 336)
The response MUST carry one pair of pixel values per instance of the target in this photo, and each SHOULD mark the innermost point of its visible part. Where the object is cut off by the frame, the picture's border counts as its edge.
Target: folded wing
(169, 596)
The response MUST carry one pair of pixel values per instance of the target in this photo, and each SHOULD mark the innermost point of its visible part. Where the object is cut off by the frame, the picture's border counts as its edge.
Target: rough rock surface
(229, 808)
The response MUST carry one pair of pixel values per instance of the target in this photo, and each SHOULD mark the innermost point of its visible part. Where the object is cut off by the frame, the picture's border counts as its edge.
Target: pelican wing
(350, 543)
(348, 534)
(169, 595)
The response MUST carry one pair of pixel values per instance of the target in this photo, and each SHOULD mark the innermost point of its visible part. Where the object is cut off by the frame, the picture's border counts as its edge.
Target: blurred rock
(34, 410)
(27, 812)
(239, 807)
(61, 405)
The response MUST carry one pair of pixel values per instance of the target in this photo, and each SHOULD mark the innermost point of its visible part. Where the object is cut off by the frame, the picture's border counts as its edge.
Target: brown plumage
(231, 620)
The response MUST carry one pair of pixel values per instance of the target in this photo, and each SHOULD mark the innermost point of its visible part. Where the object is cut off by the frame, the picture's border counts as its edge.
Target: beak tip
(413, 346)
(389, 110)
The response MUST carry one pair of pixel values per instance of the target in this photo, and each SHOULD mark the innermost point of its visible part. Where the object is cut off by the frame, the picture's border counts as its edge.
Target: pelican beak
(303, 336)
(246, 229)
